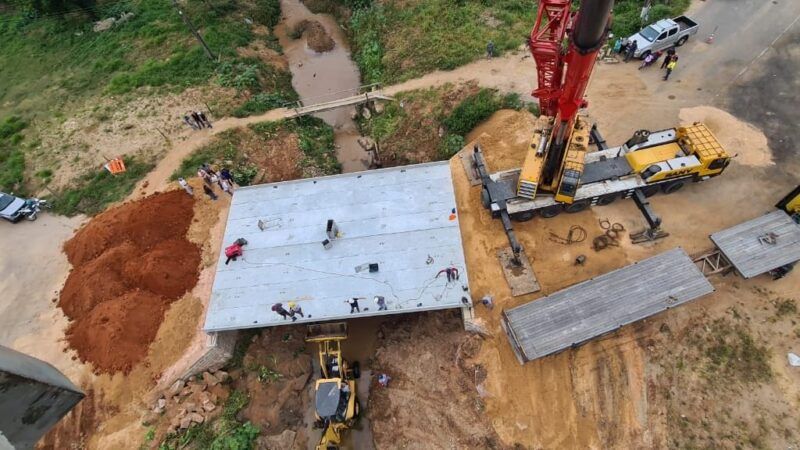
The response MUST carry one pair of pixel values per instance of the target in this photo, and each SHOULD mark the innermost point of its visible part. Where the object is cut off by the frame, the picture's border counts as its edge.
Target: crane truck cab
(695, 152)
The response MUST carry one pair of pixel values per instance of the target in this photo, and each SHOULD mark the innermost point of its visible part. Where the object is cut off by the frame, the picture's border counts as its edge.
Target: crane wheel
(551, 211)
(576, 207)
(523, 216)
(607, 200)
(672, 187)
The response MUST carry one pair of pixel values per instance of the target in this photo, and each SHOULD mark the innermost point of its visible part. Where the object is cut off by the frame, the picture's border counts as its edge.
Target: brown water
(322, 77)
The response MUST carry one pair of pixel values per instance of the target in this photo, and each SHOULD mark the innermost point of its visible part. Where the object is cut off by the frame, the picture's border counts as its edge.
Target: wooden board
(520, 278)
(465, 156)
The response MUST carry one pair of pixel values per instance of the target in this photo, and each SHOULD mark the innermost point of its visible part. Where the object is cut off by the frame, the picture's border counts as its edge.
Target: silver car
(662, 35)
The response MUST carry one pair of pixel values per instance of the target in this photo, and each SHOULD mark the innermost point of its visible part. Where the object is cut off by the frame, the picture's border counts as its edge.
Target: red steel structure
(545, 44)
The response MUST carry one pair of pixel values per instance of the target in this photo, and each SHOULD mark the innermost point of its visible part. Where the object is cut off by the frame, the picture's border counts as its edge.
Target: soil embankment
(129, 264)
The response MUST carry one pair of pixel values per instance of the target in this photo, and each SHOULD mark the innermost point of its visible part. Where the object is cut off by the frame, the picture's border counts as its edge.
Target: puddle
(323, 77)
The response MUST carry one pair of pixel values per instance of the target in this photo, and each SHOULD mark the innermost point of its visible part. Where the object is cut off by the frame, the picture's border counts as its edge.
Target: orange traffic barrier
(115, 166)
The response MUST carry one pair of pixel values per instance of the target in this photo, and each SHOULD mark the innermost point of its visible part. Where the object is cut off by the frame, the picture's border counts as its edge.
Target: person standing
(353, 302)
(488, 302)
(225, 186)
(197, 119)
(490, 50)
(209, 192)
(278, 308)
(294, 309)
(185, 185)
(381, 302)
(384, 379)
(671, 67)
(630, 50)
(668, 58)
(225, 174)
(189, 122)
(204, 119)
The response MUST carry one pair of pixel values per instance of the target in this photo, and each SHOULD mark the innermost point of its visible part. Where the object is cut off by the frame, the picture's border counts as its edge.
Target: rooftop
(401, 219)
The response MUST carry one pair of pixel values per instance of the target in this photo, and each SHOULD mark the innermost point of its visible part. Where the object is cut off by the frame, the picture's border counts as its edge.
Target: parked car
(662, 35)
(14, 209)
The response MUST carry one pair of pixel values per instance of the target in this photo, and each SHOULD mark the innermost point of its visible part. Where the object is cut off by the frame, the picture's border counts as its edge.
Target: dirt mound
(170, 269)
(129, 264)
(737, 136)
(316, 36)
(144, 223)
(117, 332)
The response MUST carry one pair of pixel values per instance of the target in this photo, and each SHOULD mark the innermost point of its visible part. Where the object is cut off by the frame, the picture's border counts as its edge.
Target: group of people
(197, 120)
(669, 63)
(223, 179)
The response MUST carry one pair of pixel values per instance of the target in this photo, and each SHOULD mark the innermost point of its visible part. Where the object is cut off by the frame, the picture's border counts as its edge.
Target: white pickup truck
(662, 35)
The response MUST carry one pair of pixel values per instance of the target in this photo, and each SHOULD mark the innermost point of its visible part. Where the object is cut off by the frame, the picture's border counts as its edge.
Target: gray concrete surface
(400, 219)
(34, 396)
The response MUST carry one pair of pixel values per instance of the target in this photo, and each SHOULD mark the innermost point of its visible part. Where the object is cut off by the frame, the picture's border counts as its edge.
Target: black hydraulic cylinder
(591, 24)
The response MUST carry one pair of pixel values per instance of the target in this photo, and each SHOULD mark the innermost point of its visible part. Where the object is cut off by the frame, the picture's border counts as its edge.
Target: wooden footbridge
(362, 94)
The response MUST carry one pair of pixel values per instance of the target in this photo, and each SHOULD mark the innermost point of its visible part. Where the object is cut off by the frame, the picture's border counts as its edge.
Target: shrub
(452, 144)
(267, 12)
(472, 111)
(260, 103)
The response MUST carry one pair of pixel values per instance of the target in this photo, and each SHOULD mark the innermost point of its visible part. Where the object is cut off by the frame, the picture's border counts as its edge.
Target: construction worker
(185, 185)
(234, 251)
(203, 117)
(384, 379)
(488, 302)
(670, 67)
(209, 192)
(294, 309)
(353, 302)
(630, 50)
(381, 302)
(668, 58)
(452, 273)
(278, 308)
(490, 50)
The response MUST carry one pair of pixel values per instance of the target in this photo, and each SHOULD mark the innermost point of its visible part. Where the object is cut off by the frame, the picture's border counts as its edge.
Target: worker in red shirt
(234, 251)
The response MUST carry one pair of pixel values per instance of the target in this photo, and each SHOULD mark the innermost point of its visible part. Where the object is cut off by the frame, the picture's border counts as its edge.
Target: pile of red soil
(316, 36)
(129, 264)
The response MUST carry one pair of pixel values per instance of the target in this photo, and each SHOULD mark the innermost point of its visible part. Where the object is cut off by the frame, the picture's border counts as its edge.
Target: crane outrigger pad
(519, 275)
(590, 309)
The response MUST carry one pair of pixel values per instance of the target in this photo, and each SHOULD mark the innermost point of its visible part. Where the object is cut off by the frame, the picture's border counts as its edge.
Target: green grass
(393, 43)
(12, 159)
(92, 192)
(733, 354)
(315, 141)
(402, 132)
(626, 14)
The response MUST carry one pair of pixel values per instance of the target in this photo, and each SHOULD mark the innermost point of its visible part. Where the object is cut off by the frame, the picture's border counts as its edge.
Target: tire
(675, 186)
(485, 200)
(356, 370)
(606, 200)
(650, 191)
(551, 211)
(31, 217)
(523, 216)
(644, 55)
(681, 41)
(576, 207)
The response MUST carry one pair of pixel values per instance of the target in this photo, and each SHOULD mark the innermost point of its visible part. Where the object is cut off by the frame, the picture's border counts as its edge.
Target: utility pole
(193, 30)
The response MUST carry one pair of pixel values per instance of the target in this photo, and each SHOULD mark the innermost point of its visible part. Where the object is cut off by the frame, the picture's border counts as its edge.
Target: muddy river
(323, 77)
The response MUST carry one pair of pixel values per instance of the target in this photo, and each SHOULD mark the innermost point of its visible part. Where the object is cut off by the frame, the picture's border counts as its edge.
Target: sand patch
(738, 137)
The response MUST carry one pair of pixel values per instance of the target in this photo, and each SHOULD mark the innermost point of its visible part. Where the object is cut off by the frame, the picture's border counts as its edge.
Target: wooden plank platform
(597, 306)
(752, 256)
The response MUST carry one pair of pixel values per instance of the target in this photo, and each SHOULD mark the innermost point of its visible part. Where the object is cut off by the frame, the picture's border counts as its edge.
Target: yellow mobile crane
(336, 404)
(560, 173)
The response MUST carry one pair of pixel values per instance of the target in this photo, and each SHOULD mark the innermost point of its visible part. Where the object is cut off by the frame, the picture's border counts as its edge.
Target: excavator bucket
(318, 332)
